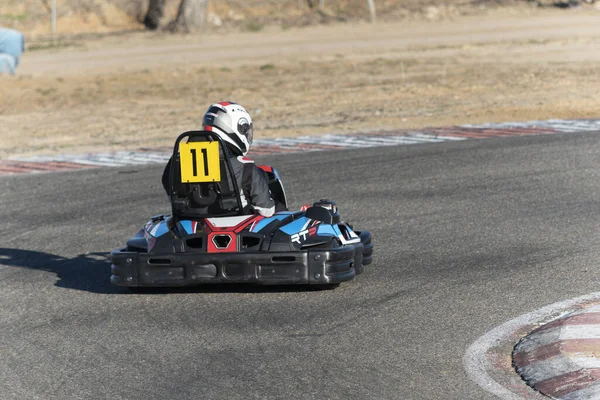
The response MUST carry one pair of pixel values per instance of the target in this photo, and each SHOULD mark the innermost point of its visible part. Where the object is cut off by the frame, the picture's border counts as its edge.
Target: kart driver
(233, 124)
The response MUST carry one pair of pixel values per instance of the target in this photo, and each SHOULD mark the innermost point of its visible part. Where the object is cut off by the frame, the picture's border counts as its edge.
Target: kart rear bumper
(319, 266)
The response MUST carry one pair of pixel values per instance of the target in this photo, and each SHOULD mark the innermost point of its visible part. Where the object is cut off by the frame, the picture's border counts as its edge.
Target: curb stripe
(308, 143)
(478, 358)
(590, 392)
(16, 167)
(542, 353)
(559, 359)
(568, 332)
(569, 382)
(592, 318)
(544, 370)
(580, 346)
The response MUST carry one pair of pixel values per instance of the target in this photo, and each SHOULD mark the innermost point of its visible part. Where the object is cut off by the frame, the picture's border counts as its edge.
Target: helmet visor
(246, 129)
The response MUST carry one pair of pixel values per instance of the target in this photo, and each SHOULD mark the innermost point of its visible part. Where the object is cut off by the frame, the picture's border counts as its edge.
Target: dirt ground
(141, 89)
(76, 17)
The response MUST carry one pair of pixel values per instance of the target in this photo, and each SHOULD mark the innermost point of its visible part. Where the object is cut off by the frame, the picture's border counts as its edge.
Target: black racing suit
(252, 181)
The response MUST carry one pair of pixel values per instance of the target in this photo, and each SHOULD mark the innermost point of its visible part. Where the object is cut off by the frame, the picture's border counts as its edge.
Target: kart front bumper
(319, 266)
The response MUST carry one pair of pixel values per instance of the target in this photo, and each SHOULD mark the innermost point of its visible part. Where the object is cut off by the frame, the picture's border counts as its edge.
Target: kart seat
(204, 199)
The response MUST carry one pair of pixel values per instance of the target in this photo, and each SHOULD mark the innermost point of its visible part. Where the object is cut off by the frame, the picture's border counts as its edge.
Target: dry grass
(32, 17)
(149, 108)
(437, 77)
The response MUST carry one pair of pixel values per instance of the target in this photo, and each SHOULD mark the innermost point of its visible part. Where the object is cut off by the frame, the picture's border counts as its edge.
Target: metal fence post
(372, 10)
(53, 17)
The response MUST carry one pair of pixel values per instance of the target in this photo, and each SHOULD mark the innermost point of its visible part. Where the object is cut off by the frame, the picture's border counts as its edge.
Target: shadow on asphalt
(91, 273)
(88, 272)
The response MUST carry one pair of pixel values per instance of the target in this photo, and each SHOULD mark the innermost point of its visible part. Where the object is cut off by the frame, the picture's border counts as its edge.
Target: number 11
(195, 167)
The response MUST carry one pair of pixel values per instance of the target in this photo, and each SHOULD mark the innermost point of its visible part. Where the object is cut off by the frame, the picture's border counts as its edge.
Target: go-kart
(209, 238)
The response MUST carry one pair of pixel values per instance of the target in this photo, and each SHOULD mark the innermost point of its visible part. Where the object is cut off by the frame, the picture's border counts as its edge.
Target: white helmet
(232, 123)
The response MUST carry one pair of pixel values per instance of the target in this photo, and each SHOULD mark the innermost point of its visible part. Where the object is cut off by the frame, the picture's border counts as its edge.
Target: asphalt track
(468, 235)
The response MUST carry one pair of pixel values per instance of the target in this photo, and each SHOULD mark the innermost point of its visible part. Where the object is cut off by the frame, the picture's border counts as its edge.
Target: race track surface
(468, 235)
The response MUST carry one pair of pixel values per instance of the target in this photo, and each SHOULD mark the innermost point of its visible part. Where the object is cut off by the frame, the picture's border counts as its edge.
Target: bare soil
(142, 89)
(75, 17)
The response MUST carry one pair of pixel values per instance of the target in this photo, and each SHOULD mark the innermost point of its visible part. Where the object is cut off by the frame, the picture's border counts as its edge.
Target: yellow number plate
(199, 162)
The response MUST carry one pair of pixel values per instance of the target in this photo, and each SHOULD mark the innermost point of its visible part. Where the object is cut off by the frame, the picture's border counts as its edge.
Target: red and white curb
(562, 359)
(308, 143)
(558, 358)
